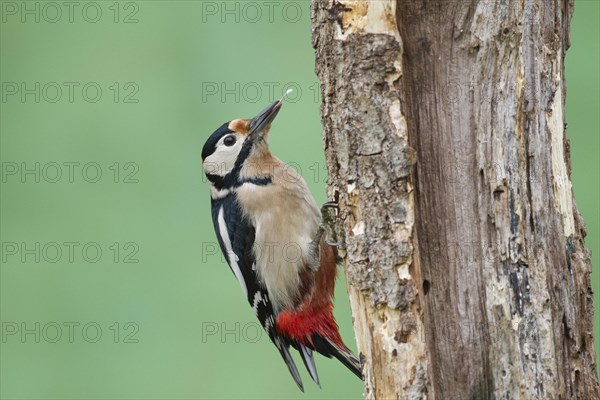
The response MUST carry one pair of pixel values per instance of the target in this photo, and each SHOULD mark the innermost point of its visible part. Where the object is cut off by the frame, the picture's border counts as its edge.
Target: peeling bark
(445, 141)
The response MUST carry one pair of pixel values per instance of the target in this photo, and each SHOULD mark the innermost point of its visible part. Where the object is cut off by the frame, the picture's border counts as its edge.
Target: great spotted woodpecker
(272, 235)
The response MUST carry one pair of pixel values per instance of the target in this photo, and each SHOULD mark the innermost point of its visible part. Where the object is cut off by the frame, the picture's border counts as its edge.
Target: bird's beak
(263, 119)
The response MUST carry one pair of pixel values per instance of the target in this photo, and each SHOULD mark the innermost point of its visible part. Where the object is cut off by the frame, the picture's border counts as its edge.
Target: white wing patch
(231, 256)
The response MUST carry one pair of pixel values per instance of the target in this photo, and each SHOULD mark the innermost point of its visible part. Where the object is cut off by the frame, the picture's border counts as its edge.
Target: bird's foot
(328, 223)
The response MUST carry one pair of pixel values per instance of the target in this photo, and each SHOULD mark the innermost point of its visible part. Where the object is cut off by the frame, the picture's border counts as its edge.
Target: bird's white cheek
(222, 161)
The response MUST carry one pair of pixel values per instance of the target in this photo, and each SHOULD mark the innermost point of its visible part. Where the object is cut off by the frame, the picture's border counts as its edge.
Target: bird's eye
(229, 141)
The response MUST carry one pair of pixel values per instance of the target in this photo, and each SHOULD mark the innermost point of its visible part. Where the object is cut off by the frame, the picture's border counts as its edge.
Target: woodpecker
(275, 240)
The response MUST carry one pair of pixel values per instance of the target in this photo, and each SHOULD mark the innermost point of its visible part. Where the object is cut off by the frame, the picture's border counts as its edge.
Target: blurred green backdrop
(111, 286)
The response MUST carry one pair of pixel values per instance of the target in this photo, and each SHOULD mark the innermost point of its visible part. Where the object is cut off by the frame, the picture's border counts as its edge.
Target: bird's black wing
(236, 238)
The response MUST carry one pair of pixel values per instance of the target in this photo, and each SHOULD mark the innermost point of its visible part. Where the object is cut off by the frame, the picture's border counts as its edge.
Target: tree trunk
(445, 141)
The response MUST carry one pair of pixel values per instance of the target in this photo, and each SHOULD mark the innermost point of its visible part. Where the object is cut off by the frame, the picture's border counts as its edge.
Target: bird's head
(235, 142)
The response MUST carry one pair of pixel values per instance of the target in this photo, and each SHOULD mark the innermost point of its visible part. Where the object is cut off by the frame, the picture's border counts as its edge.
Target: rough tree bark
(446, 147)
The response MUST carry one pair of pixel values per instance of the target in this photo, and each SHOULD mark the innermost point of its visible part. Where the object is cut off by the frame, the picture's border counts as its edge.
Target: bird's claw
(328, 223)
(329, 204)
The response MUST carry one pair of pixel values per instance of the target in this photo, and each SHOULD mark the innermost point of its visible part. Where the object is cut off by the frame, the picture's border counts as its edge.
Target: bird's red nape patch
(303, 324)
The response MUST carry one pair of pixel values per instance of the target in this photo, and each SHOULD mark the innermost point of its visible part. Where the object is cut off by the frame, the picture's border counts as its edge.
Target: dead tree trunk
(464, 252)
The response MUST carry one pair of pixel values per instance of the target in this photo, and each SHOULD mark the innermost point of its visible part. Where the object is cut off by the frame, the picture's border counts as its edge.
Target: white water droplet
(290, 90)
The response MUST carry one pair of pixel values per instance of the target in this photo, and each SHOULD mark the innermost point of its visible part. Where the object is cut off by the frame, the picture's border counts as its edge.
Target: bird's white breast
(286, 221)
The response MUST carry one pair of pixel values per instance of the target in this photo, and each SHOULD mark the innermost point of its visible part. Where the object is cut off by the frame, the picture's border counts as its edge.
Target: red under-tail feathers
(312, 323)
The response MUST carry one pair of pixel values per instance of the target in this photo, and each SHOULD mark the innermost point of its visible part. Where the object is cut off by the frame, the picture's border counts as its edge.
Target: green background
(157, 314)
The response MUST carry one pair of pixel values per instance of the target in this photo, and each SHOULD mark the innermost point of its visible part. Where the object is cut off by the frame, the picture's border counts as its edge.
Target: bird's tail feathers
(309, 363)
(329, 348)
(289, 361)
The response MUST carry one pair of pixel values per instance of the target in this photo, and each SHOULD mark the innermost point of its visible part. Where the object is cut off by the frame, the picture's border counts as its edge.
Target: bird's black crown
(211, 143)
